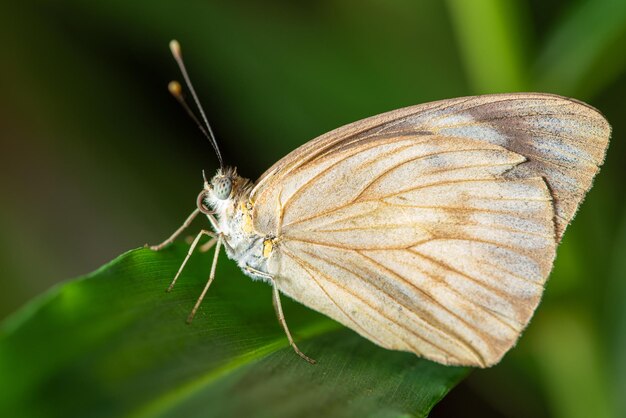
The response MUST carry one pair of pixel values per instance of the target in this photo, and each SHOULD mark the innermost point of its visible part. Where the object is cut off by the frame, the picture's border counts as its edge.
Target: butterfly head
(221, 190)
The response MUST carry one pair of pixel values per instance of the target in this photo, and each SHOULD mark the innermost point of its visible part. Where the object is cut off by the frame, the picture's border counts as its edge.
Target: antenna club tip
(175, 88)
(175, 48)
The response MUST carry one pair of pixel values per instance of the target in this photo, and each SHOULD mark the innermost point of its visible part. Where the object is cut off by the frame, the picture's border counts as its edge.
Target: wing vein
(423, 186)
(468, 208)
(452, 337)
(443, 183)
(423, 227)
(486, 309)
(312, 180)
(445, 104)
(306, 267)
(302, 264)
(423, 157)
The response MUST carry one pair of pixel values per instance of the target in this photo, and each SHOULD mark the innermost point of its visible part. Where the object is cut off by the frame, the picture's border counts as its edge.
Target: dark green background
(97, 158)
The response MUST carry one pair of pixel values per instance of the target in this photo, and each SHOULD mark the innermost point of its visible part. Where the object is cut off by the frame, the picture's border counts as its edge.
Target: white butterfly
(430, 229)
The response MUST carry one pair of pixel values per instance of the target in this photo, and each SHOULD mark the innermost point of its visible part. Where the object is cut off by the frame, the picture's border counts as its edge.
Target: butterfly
(430, 229)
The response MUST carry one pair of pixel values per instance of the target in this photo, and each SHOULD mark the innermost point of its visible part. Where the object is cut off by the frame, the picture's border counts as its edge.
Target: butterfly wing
(432, 229)
(563, 140)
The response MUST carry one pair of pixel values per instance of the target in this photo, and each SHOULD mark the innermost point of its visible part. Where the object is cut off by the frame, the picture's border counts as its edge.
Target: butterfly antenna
(176, 91)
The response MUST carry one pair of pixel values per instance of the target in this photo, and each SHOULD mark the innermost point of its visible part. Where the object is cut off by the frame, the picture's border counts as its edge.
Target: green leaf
(113, 343)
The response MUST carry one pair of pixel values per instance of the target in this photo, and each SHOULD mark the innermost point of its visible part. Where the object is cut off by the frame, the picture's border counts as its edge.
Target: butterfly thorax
(234, 221)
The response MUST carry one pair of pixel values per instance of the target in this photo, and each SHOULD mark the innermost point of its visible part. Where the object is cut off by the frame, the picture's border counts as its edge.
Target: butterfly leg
(220, 240)
(189, 252)
(208, 245)
(281, 318)
(176, 233)
(279, 310)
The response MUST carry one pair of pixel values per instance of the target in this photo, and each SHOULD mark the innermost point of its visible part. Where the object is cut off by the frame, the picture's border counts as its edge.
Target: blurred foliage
(97, 158)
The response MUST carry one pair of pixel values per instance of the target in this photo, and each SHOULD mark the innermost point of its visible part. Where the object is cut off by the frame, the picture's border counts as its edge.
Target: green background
(97, 158)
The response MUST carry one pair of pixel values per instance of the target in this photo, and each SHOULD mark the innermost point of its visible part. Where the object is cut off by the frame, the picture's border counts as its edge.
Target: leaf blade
(113, 343)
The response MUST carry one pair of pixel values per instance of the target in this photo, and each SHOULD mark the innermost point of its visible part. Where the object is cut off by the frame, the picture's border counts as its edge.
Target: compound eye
(222, 186)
